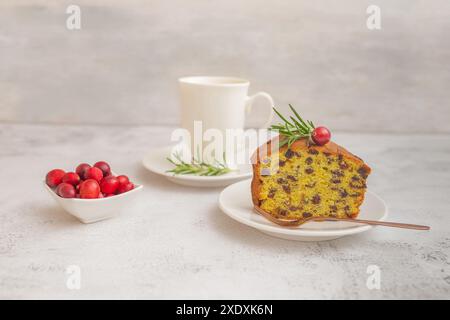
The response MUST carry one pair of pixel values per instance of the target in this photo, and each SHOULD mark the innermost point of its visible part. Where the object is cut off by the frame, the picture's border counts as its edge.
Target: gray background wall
(122, 66)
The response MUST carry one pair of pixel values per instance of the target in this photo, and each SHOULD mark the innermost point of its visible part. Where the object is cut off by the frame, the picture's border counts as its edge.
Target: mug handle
(249, 105)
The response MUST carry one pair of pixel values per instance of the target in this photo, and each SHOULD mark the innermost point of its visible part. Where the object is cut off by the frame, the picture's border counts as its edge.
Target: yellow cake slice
(306, 180)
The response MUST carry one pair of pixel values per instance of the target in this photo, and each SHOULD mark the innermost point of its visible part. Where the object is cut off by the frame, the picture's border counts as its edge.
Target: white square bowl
(93, 210)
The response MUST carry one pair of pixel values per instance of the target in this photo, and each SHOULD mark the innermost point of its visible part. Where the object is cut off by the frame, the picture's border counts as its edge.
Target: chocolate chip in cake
(358, 186)
(292, 178)
(306, 215)
(281, 181)
(337, 173)
(333, 208)
(355, 178)
(272, 192)
(343, 165)
(336, 181)
(340, 157)
(289, 154)
(343, 193)
(316, 199)
(327, 154)
(313, 151)
(293, 208)
(283, 212)
(281, 163)
(309, 170)
(309, 160)
(287, 189)
(363, 172)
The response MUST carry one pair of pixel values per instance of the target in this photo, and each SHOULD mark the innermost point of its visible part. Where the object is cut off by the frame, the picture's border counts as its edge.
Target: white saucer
(236, 202)
(156, 162)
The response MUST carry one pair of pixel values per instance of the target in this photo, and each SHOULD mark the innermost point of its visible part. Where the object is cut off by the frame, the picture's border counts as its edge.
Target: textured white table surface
(176, 243)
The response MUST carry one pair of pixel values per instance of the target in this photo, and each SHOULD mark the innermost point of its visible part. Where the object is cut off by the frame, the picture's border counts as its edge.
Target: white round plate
(236, 202)
(156, 162)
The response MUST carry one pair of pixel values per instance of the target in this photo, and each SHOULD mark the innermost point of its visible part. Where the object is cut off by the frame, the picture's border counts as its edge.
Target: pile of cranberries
(88, 182)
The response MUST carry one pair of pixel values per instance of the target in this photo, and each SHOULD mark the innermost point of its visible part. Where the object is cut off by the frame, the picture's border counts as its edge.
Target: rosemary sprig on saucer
(297, 128)
(199, 168)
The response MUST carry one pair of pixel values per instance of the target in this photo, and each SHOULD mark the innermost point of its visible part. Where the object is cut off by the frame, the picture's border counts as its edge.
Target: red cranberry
(109, 184)
(102, 165)
(81, 170)
(66, 190)
(123, 179)
(125, 187)
(107, 195)
(54, 177)
(94, 173)
(89, 189)
(321, 136)
(72, 178)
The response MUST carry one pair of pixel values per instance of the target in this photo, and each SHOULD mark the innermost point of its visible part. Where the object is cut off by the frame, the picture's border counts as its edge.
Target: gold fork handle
(298, 222)
(381, 223)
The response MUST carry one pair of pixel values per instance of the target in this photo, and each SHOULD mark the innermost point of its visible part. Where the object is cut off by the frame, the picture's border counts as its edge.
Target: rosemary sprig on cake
(196, 167)
(297, 128)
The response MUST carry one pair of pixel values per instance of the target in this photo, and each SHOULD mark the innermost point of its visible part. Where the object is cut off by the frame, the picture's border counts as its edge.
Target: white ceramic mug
(219, 102)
